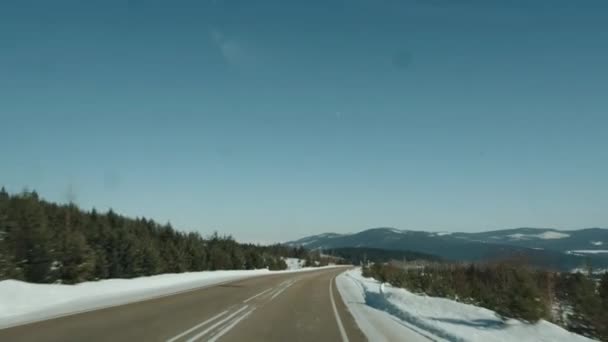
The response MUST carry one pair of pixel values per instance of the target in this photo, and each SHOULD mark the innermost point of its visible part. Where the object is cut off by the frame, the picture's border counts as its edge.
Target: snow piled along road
(395, 314)
(22, 302)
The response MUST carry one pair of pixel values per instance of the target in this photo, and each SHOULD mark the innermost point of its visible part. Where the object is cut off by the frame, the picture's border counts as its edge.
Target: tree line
(575, 301)
(361, 255)
(44, 242)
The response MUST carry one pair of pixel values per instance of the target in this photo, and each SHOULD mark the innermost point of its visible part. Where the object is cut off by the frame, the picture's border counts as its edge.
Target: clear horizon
(274, 121)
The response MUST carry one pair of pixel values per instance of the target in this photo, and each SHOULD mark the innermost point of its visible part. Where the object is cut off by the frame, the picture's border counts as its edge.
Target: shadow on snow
(380, 302)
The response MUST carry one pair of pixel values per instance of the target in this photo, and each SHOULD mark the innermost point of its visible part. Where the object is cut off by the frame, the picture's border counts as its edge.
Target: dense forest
(44, 242)
(576, 301)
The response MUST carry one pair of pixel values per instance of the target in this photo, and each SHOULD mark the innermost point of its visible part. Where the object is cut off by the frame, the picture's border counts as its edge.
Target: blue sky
(271, 120)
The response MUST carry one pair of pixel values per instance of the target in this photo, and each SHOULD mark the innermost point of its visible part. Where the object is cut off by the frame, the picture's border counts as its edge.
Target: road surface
(302, 306)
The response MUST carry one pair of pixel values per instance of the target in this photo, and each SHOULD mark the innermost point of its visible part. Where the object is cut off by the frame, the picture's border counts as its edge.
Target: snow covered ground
(396, 314)
(595, 271)
(587, 251)
(294, 263)
(549, 235)
(22, 302)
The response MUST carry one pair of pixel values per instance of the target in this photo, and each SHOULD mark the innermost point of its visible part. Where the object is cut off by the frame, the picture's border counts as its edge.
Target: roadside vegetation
(575, 301)
(44, 242)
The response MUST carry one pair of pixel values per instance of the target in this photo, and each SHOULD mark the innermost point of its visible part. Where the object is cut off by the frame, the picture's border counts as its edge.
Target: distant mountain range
(356, 255)
(559, 249)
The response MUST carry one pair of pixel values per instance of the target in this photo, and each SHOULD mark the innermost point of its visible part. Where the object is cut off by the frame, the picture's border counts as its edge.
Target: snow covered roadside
(22, 302)
(398, 314)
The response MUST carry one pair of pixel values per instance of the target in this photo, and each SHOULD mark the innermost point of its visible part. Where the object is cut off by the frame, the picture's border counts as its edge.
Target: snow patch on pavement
(22, 302)
(397, 314)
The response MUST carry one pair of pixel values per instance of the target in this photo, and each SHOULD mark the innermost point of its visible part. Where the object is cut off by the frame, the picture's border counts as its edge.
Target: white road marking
(274, 290)
(281, 290)
(257, 295)
(231, 325)
(198, 326)
(333, 304)
(204, 332)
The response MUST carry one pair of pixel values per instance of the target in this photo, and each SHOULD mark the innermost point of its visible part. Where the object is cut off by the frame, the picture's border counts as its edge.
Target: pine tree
(521, 297)
(254, 260)
(151, 263)
(601, 320)
(3, 195)
(77, 259)
(32, 239)
(74, 258)
(99, 239)
(101, 270)
(6, 255)
(219, 259)
(238, 259)
(603, 289)
(46, 242)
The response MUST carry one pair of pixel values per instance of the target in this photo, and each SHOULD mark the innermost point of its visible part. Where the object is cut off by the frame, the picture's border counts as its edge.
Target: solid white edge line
(257, 295)
(333, 304)
(231, 325)
(204, 332)
(174, 338)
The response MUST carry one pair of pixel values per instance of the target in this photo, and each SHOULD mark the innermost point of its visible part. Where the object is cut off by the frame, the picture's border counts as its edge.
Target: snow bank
(22, 302)
(421, 318)
(377, 325)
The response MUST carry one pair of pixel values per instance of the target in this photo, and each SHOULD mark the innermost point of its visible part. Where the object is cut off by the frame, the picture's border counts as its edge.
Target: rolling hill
(545, 247)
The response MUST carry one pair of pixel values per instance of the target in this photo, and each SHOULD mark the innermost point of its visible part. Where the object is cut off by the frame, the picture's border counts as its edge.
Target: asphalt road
(303, 306)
